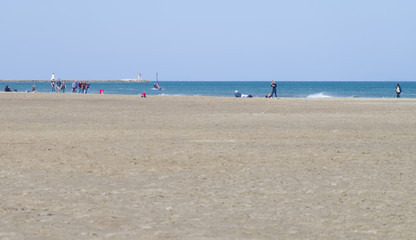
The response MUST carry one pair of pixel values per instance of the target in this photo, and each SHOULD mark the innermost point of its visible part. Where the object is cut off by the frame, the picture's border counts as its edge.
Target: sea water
(226, 89)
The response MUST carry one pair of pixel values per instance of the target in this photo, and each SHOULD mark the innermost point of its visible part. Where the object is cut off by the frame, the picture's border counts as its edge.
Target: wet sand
(120, 167)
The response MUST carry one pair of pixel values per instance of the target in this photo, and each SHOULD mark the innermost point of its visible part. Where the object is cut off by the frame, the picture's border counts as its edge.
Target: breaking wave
(318, 95)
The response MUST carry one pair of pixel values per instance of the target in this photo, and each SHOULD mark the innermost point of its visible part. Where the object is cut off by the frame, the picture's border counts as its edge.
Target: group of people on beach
(58, 86)
(82, 86)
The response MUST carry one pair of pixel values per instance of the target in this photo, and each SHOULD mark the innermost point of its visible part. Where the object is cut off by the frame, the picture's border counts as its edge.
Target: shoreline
(227, 97)
(138, 95)
(256, 89)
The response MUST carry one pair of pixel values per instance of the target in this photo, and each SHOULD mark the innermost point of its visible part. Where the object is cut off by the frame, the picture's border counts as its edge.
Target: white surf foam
(318, 95)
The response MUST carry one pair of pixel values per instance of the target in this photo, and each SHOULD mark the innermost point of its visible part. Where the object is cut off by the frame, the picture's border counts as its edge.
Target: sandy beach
(79, 166)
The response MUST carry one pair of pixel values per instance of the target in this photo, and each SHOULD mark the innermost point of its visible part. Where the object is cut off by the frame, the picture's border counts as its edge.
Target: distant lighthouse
(138, 79)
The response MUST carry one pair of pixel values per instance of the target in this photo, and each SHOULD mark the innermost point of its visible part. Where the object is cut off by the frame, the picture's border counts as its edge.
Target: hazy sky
(238, 40)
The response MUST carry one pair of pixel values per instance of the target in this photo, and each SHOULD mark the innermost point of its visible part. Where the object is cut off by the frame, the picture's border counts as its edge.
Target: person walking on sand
(273, 85)
(398, 90)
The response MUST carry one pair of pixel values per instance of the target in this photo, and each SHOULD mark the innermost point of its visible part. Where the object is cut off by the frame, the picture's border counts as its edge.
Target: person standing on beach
(58, 85)
(273, 85)
(398, 90)
(80, 87)
(63, 86)
(53, 85)
(84, 87)
(74, 87)
(87, 88)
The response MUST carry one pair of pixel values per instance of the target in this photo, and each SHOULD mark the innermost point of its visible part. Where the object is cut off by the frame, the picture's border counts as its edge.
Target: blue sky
(227, 40)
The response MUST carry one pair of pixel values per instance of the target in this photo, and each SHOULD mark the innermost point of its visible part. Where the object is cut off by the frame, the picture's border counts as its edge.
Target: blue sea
(255, 88)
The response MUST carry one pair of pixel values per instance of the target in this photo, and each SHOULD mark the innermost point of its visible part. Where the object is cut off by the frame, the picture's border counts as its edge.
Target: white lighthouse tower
(138, 79)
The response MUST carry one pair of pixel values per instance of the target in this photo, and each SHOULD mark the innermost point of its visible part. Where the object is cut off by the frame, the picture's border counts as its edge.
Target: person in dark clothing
(7, 89)
(87, 87)
(58, 85)
(53, 85)
(63, 86)
(398, 90)
(84, 87)
(273, 85)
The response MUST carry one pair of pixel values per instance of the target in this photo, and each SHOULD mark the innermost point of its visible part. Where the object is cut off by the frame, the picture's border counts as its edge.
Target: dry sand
(121, 167)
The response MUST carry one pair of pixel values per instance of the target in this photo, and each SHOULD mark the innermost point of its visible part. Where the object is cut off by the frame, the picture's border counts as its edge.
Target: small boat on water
(156, 85)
